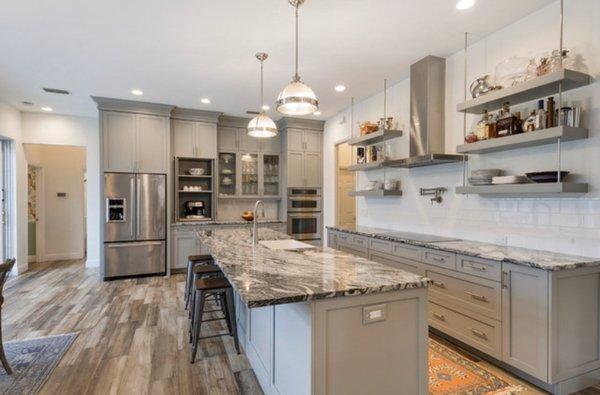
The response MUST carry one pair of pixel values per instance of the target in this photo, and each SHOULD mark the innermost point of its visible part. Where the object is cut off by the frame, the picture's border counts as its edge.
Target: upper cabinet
(134, 143)
(237, 139)
(194, 139)
(304, 140)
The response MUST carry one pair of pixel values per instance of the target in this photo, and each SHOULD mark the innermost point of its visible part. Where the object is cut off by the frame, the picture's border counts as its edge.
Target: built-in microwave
(303, 204)
(304, 192)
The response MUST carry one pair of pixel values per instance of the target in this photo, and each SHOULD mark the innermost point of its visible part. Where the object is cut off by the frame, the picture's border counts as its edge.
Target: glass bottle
(531, 70)
(550, 113)
(540, 116)
(481, 131)
(507, 122)
(529, 123)
(491, 131)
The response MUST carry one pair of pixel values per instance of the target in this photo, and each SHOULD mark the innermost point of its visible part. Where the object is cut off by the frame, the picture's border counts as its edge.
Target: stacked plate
(483, 176)
(510, 180)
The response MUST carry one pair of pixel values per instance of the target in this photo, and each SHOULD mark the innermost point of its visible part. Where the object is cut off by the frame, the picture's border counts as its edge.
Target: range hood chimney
(427, 100)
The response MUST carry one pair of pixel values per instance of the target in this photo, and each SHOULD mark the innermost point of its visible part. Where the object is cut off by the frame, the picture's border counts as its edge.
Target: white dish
(510, 180)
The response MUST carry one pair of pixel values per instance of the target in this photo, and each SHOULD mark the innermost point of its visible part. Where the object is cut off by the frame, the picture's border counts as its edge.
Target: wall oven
(304, 220)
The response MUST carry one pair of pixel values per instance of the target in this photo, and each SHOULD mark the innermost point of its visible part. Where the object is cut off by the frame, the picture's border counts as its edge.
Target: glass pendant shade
(297, 99)
(262, 126)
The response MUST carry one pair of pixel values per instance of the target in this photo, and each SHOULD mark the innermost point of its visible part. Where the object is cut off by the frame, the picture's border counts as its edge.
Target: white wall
(61, 219)
(570, 225)
(75, 131)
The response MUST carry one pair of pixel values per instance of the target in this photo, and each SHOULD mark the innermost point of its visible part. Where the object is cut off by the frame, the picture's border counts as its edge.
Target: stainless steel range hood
(427, 93)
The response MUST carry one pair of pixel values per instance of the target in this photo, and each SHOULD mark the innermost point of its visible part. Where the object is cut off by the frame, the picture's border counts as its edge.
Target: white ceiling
(181, 50)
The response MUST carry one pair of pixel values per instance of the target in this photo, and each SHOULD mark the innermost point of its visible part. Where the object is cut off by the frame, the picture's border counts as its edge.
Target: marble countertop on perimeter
(226, 222)
(540, 259)
(264, 277)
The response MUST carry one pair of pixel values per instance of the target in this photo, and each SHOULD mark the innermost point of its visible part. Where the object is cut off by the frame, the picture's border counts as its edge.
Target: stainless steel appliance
(304, 219)
(194, 209)
(135, 224)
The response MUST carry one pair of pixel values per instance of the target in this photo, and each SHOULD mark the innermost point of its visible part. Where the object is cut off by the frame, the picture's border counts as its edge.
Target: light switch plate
(374, 313)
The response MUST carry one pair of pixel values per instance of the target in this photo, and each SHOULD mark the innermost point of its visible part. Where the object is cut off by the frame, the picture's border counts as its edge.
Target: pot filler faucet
(255, 220)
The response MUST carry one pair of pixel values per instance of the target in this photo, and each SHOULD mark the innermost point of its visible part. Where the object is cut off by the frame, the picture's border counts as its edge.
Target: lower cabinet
(184, 244)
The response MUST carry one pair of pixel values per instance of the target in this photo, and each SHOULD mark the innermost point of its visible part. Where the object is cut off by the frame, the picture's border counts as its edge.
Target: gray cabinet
(525, 319)
(236, 139)
(303, 156)
(185, 243)
(193, 139)
(312, 169)
(227, 139)
(313, 141)
(304, 140)
(134, 142)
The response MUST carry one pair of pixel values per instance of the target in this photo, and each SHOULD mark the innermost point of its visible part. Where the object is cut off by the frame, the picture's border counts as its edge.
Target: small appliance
(194, 209)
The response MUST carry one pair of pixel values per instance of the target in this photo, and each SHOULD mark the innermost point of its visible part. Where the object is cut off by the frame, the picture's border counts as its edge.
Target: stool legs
(231, 316)
(198, 312)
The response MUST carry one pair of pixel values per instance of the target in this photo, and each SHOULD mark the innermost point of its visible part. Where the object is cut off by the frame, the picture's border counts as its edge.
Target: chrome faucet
(255, 220)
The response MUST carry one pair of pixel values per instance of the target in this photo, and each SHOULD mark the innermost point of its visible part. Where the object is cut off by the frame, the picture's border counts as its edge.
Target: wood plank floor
(132, 335)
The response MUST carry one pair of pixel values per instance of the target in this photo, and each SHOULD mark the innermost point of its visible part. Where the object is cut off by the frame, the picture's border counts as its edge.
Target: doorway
(346, 182)
(56, 202)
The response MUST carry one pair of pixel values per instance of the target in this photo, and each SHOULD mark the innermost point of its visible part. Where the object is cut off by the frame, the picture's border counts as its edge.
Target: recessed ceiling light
(205, 100)
(465, 4)
(137, 92)
(47, 109)
(265, 108)
(340, 88)
(317, 113)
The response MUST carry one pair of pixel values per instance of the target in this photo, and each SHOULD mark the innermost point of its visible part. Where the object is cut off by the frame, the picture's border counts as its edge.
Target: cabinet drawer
(439, 258)
(471, 293)
(398, 263)
(354, 241)
(479, 267)
(350, 250)
(380, 246)
(485, 335)
(406, 251)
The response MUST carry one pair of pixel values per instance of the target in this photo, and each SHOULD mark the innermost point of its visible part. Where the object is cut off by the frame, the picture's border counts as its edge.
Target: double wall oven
(304, 216)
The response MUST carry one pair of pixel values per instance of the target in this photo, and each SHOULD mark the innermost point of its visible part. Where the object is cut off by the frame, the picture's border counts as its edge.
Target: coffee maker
(194, 209)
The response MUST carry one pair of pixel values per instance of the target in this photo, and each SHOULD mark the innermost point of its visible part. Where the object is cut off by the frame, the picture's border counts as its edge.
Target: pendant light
(262, 126)
(297, 98)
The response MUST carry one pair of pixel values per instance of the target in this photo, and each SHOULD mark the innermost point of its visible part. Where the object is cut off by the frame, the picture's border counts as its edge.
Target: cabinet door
(295, 140)
(152, 135)
(313, 141)
(312, 169)
(119, 141)
(185, 244)
(183, 138)
(206, 140)
(248, 143)
(295, 169)
(525, 319)
(271, 145)
(270, 175)
(227, 139)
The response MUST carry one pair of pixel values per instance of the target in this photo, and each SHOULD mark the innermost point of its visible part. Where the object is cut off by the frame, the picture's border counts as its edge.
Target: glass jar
(507, 123)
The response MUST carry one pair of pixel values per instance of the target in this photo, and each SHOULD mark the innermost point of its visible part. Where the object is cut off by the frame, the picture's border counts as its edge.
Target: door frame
(335, 180)
(40, 226)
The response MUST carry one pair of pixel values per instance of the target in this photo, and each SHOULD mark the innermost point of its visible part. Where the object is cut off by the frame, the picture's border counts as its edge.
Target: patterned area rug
(451, 373)
(32, 361)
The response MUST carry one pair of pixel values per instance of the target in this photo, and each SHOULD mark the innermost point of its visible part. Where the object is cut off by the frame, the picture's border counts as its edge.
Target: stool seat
(200, 257)
(206, 269)
(206, 284)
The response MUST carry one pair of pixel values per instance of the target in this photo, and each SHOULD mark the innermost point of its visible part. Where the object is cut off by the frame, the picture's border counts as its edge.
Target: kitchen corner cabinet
(134, 143)
(194, 139)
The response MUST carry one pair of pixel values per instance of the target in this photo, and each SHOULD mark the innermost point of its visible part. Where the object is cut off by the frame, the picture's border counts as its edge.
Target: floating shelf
(202, 191)
(525, 190)
(375, 137)
(524, 140)
(367, 166)
(375, 193)
(537, 88)
(192, 177)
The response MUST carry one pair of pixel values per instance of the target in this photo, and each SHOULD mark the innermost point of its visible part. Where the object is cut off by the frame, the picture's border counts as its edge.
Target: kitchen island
(320, 321)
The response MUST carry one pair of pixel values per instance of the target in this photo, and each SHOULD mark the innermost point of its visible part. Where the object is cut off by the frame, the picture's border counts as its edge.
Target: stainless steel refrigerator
(135, 224)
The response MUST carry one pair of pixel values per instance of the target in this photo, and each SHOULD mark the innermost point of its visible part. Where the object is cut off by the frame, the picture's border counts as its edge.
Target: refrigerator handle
(137, 205)
(134, 244)
(131, 209)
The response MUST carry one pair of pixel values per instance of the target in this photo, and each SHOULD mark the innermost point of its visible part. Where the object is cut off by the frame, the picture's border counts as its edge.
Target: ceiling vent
(57, 91)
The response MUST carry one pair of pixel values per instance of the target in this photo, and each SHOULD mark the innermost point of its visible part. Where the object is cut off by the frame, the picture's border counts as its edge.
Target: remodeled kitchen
(298, 197)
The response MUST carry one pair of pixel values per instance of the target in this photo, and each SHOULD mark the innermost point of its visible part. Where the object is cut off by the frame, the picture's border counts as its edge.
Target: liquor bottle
(540, 116)
(507, 122)
(550, 113)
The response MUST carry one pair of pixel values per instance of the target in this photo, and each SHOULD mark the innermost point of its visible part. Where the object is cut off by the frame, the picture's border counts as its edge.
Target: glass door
(227, 173)
(249, 174)
(271, 175)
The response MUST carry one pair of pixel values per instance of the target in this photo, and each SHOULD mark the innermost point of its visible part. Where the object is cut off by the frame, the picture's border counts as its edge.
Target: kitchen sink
(289, 245)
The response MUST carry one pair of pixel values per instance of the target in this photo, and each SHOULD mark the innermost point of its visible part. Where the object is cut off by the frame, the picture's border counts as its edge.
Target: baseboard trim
(32, 258)
(62, 257)
(92, 263)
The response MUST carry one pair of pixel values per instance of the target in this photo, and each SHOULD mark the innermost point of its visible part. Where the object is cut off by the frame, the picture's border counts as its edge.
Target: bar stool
(200, 272)
(194, 260)
(222, 287)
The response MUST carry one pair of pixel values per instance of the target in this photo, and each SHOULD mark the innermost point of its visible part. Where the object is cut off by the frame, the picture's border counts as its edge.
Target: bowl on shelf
(547, 176)
(196, 171)
(248, 216)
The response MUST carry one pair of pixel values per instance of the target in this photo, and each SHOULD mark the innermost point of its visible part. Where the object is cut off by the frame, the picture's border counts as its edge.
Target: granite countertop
(545, 260)
(227, 222)
(264, 277)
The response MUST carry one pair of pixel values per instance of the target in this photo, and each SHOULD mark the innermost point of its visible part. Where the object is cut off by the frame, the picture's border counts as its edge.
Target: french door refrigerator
(135, 224)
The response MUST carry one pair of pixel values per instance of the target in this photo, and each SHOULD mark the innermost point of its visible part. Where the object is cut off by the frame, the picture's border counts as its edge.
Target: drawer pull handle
(476, 297)
(439, 284)
(479, 334)
(438, 259)
(480, 268)
(439, 317)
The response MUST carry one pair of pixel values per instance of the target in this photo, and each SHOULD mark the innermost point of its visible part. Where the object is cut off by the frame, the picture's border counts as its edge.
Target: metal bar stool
(194, 260)
(200, 272)
(222, 287)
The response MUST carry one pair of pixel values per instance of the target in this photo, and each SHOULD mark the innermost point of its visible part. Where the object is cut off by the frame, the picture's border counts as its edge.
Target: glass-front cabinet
(250, 174)
(227, 174)
(270, 175)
